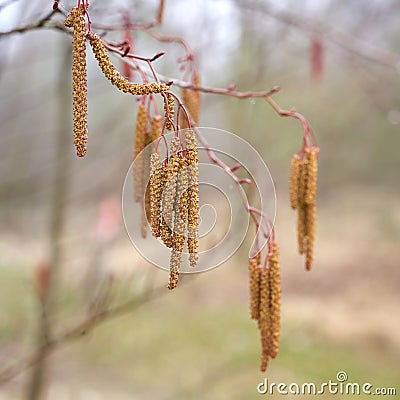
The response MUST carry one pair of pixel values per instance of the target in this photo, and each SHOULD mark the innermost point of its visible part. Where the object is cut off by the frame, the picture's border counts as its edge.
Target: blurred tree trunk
(57, 213)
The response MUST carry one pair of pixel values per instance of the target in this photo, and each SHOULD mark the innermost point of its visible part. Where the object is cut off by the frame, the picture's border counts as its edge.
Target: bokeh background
(338, 63)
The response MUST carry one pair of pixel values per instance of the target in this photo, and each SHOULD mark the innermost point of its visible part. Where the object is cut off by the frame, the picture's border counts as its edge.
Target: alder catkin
(140, 143)
(175, 262)
(311, 155)
(115, 77)
(301, 205)
(169, 193)
(76, 20)
(254, 287)
(294, 181)
(157, 181)
(193, 196)
(192, 102)
(264, 318)
(274, 281)
(310, 229)
(180, 207)
(160, 12)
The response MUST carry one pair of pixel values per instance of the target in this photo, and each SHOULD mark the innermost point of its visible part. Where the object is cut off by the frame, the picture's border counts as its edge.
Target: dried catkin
(115, 77)
(193, 196)
(76, 20)
(140, 143)
(254, 288)
(294, 181)
(274, 281)
(192, 101)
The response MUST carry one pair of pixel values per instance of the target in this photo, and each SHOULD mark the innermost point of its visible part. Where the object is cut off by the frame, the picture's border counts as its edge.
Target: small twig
(253, 212)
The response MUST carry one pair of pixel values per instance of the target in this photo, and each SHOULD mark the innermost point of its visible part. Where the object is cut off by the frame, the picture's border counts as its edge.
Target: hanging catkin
(294, 181)
(254, 287)
(192, 101)
(274, 281)
(193, 196)
(139, 162)
(76, 20)
(115, 77)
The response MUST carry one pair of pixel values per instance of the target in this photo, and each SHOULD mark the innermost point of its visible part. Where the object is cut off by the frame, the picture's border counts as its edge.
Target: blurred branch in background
(343, 39)
(60, 186)
(75, 332)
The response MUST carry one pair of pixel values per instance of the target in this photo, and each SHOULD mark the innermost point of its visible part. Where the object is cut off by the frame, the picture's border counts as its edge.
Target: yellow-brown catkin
(174, 264)
(150, 137)
(160, 12)
(274, 281)
(311, 155)
(310, 229)
(180, 207)
(193, 196)
(294, 181)
(192, 101)
(169, 110)
(169, 193)
(264, 318)
(115, 77)
(302, 206)
(76, 20)
(140, 143)
(254, 287)
(157, 182)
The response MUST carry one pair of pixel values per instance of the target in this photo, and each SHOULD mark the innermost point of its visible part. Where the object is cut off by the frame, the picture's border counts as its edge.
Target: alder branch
(343, 39)
(43, 23)
(77, 331)
(252, 211)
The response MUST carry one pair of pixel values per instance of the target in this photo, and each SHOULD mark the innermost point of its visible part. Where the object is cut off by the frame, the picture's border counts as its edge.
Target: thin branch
(253, 212)
(41, 23)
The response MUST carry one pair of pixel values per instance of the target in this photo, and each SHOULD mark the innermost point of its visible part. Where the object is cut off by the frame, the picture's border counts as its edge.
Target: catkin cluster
(144, 136)
(76, 20)
(192, 101)
(303, 197)
(174, 202)
(265, 302)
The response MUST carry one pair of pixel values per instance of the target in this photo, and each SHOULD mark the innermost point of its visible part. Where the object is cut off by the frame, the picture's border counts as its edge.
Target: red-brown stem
(253, 212)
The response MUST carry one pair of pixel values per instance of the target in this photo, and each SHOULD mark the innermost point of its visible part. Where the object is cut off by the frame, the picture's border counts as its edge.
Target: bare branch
(42, 23)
